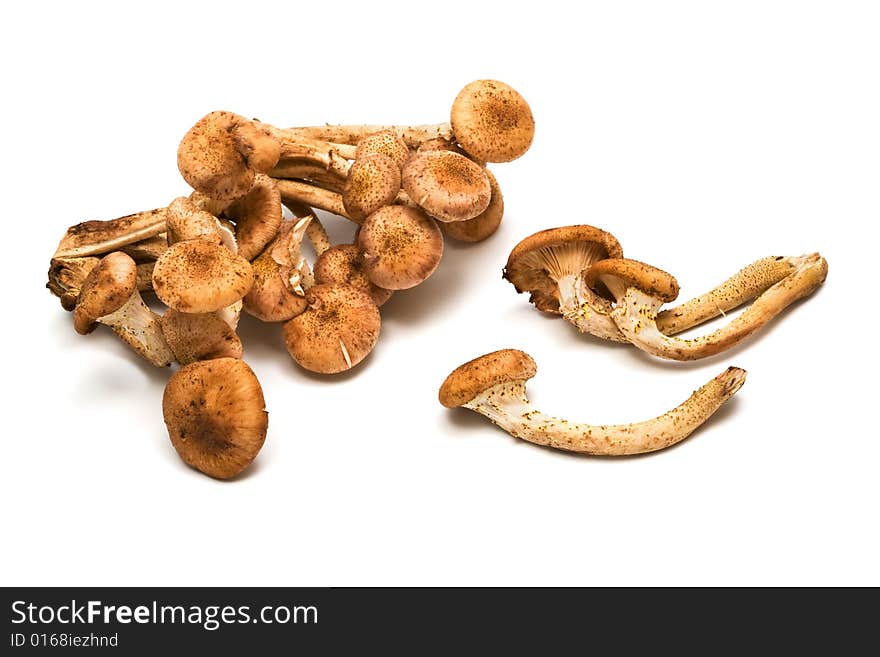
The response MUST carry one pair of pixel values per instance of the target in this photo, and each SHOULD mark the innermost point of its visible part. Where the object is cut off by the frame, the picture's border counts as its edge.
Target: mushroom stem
(141, 329)
(330, 156)
(507, 405)
(413, 135)
(636, 311)
(100, 237)
(295, 191)
(66, 276)
(590, 313)
(745, 285)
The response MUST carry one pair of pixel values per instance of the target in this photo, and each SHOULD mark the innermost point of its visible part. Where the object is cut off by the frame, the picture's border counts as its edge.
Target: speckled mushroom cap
(201, 336)
(402, 247)
(222, 152)
(449, 186)
(257, 216)
(483, 225)
(384, 142)
(216, 416)
(344, 263)
(184, 220)
(337, 331)
(108, 286)
(271, 298)
(373, 181)
(199, 277)
(540, 260)
(492, 121)
(620, 273)
(478, 375)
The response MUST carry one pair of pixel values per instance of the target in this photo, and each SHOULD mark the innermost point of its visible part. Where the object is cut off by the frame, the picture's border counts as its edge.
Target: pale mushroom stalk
(295, 191)
(330, 156)
(507, 405)
(141, 329)
(91, 238)
(493, 385)
(413, 135)
(636, 310)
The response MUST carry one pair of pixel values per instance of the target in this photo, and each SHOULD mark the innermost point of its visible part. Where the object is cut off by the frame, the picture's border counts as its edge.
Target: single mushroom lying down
(640, 290)
(494, 385)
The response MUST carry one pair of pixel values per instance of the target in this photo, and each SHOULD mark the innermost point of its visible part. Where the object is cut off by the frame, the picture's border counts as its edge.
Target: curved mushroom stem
(100, 237)
(330, 156)
(590, 313)
(315, 231)
(636, 311)
(141, 329)
(507, 405)
(295, 191)
(413, 135)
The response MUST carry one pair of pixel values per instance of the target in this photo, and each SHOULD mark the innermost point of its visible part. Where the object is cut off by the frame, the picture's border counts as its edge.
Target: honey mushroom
(109, 296)
(640, 290)
(338, 329)
(201, 336)
(489, 119)
(402, 247)
(493, 385)
(216, 416)
(344, 263)
(484, 224)
(448, 186)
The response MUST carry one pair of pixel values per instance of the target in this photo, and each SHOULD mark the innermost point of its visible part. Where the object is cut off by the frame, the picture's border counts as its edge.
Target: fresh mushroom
(384, 142)
(402, 247)
(494, 386)
(200, 277)
(489, 119)
(337, 331)
(448, 186)
(221, 154)
(216, 416)
(484, 224)
(372, 182)
(640, 290)
(344, 263)
(257, 216)
(548, 265)
(201, 336)
(109, 296)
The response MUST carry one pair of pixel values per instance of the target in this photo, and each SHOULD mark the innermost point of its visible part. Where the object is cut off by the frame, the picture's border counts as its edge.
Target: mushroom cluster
(579, 273)
(235, 243)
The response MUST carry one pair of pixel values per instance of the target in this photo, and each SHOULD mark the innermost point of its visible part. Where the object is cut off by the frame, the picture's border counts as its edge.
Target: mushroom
(344, 263)
(373, 182)
(93, 238)
(200, 277)
(109, 296)
(220, 155)
(548, 265)
(201, 336)
(494, 385)
(257, 216)
(402, 247)
(216, 416)
(489, 119)
(448, 186)
(384, 142)
(640, 290)
(337, 331)
(186, 221)
(484, 224)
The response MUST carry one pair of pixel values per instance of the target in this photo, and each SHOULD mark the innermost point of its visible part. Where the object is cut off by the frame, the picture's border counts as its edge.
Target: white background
(703, 135)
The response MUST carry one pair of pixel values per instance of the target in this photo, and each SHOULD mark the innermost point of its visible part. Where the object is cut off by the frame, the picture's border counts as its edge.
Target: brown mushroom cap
(492, 121)
(344, 263)
(620, 273)
(108, 286)
(478, 375)
(483, 225)
(440, 144)
(257, 216)
(540, 260)
(402, 247)
(186, 221)
(200, 277)
(222, 152)
(373, 181)
(270, 299)
(216, 416)
(449, 186)
(202, 336)
(337, 331)
(384, 142)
